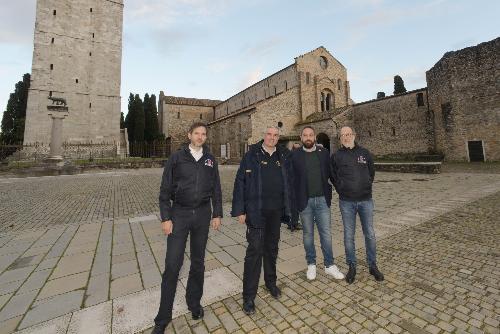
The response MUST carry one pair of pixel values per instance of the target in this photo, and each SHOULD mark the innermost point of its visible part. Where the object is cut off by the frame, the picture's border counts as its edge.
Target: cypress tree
(147, 118)
(122, 121)
(138, 119)
(129, 119)
(15, 114)
(399, 85)
(151, 131)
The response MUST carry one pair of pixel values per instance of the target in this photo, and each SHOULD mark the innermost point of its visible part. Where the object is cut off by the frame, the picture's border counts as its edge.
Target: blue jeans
(317, 211)
(349, 209)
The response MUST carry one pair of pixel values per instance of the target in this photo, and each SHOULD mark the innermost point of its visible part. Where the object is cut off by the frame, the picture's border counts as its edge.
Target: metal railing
(35, 152)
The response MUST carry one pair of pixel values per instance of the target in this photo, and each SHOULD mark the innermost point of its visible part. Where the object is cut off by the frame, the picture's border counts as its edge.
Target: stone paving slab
(126, 254)
(441, 277)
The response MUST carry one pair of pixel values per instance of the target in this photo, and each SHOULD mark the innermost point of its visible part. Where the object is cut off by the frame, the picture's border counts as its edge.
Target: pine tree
(15, 114)
(399, 85)
(138, 119)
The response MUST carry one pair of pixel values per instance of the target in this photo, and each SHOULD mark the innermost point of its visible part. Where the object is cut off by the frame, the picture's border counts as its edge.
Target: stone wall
(464, 97)
(77, 56)
(181, 117)
(328, 124)
(298, 94)
(233, 133)
(315, 79)
(395, 124)
(245, 128)
(283, 111)
(269, 87)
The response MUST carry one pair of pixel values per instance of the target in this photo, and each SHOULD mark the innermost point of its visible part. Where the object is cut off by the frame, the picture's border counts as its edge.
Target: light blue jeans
(317, 211)
(349, 209)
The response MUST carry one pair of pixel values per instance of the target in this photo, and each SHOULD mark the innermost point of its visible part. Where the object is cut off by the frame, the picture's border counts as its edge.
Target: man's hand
(167, 227)
(216, 223)
(242, 219)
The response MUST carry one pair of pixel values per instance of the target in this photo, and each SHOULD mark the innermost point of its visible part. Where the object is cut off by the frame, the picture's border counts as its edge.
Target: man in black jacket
(313, 197)
(353, 172)
(261, 197)
(190, 183)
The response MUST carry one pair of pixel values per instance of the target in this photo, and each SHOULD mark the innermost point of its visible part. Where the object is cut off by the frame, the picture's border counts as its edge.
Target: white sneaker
(311, 272)
(334, 271)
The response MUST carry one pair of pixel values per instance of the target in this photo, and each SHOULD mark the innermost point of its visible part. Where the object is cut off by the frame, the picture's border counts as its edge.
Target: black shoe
(248, 307)
(159, 329)
(274, 291)
(351, 274)
(376, 273)
(291, 228)
(197, 315)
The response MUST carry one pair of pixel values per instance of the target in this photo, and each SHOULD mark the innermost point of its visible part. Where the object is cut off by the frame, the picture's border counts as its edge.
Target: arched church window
(323, 62)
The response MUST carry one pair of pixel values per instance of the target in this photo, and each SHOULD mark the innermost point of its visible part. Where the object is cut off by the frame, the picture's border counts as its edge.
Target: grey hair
(347, 126)
(271, 127)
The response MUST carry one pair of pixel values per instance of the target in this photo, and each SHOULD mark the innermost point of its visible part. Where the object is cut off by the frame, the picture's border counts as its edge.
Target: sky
(215, 48)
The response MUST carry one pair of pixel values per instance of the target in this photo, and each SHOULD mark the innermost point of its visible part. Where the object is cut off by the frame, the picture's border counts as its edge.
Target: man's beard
(308, 144)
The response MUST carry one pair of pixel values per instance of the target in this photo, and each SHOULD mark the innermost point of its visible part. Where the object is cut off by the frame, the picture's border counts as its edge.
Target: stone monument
(58, 111)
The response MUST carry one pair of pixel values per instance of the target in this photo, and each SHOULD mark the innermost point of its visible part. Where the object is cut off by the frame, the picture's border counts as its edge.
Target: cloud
(168, 12)
(384, 15)
(171, 25)
(250, 78)
(17, 22)
(263, 47)
(363, 3)
(411, 76)
(171, 41)
(464, 43)
(218, 66)
(381, 14)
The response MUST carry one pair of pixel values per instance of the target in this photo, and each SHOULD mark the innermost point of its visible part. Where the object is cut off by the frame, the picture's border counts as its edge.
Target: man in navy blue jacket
(313, 197)
(353, 173)
(261, 197)
(190, 190)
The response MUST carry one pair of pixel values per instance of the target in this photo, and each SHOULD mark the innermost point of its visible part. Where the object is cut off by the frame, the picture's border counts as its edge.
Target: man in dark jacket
(261, 197)
(313, 197)
(353, 172)
(190, 189)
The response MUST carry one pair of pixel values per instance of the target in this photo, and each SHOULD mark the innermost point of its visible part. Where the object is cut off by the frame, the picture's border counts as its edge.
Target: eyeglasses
(347, 135)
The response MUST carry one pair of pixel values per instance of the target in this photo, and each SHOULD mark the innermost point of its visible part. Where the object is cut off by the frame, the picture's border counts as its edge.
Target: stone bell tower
(77, 56)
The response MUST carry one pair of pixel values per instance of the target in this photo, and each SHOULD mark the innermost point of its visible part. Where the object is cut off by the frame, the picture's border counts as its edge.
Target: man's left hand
(216, 223)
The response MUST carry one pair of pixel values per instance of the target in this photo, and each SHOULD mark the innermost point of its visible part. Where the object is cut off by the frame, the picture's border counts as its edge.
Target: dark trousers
(262, 245)
(196, 223)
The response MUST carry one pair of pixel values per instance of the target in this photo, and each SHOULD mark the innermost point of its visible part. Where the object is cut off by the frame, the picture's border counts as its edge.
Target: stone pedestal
(57, 113)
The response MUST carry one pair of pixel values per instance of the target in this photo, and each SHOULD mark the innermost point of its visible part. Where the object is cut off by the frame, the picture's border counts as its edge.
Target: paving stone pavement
(441, 276)
(106, 248)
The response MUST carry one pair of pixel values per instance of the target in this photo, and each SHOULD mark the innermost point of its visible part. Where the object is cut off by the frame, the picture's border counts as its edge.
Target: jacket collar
(343, 148)
(185, 147)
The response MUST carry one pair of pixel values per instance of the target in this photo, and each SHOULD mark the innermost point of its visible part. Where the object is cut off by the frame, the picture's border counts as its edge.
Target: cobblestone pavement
(99, 250)
(77, 199)
(441, 277)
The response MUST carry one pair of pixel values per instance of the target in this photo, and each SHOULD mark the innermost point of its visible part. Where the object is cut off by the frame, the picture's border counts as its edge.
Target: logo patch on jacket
(209, 163)
(361, 160)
